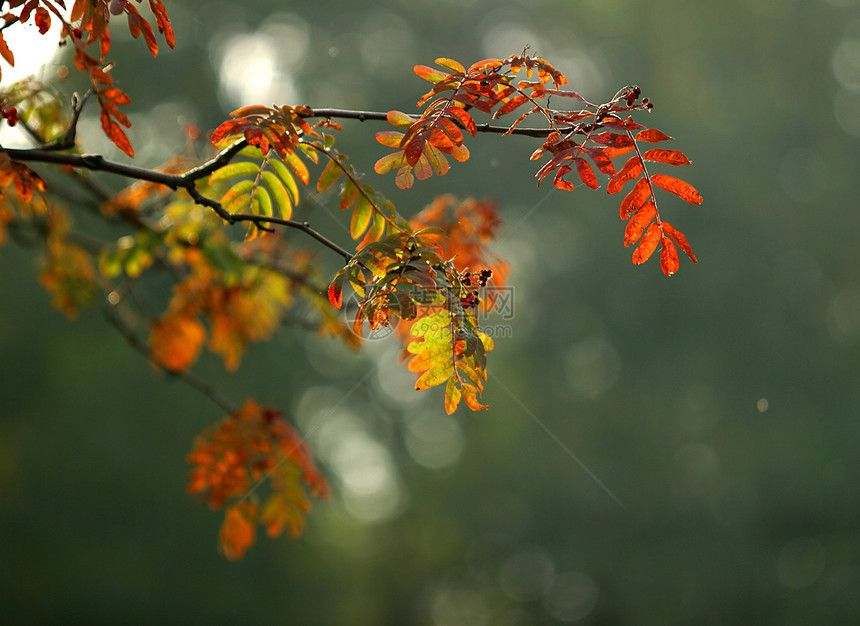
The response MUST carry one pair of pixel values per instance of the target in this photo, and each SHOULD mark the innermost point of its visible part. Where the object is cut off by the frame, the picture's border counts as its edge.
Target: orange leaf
(633, 200)
(668, 256)
(672, 157)
(648, 244)
(5, 52)
(683, 190)
(679, 238)
(651, 134)
(586, 173)
(561, 183)
(175, 341)
(428, 73)
(238, 532)
(116, 134)
(638, 222)
(464, 118)
(631, 170)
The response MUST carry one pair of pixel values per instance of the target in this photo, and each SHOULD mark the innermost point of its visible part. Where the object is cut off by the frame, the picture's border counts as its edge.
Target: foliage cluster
(232, 287)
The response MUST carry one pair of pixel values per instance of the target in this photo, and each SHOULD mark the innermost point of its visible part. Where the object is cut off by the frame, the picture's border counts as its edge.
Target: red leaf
(679, 238)
(485, 65)
(5, 52)
(614, 140)
(648, 244)
(561, 183)
(651, 134)
(672, 157)
(509, 106)
(633, 200)
(43, 20)
(160, 12)
(683, 190)
(668, 256)
(464, 118)
(115, 134)
(586, 173)
(638, 222)
(117, 96)
(335, 291)
(631, 170)
(451, 129)
(602, 158)
(414, 149)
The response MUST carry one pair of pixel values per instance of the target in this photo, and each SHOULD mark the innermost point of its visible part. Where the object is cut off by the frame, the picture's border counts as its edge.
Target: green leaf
(237, 193)
(401, 120)
(330, 173)
(282, 197)
(263, 200)
(240, 168)
(361, 217)
(287, 178)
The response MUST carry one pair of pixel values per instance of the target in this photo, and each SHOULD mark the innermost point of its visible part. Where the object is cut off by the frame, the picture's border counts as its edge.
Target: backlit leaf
(390, 138)
(631, 170)
(238, 532)
(389, 161)
(635, 199)
(429, 73)
(652, 135)
(361, 216)
(586, 173)
(175, 341)
(452, 65)
(280, 193)
(683, 190)
(452, 395)
(680, 239)
(239, 168)
(464, 118)
(298, 166)
(397, 118)
(330, 173)
(637, 224)
(335, 289)
(648, 244)
(672, 157)
(287, 179)
(236, 192)
(668, 256)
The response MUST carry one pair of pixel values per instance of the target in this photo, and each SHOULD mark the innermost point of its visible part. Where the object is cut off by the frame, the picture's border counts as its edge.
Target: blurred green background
(658, 451)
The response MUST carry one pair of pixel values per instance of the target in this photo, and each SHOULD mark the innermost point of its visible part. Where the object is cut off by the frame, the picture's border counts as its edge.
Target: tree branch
(363, 116)
(174, 181)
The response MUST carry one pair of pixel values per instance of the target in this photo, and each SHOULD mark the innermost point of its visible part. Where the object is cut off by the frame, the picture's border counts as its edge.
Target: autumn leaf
(238, 532)
(683, 190)
(648, 244)
(175, 341)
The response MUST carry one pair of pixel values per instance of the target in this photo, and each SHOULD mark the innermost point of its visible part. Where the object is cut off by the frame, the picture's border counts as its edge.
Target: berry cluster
(10, 115)
(477, 280)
